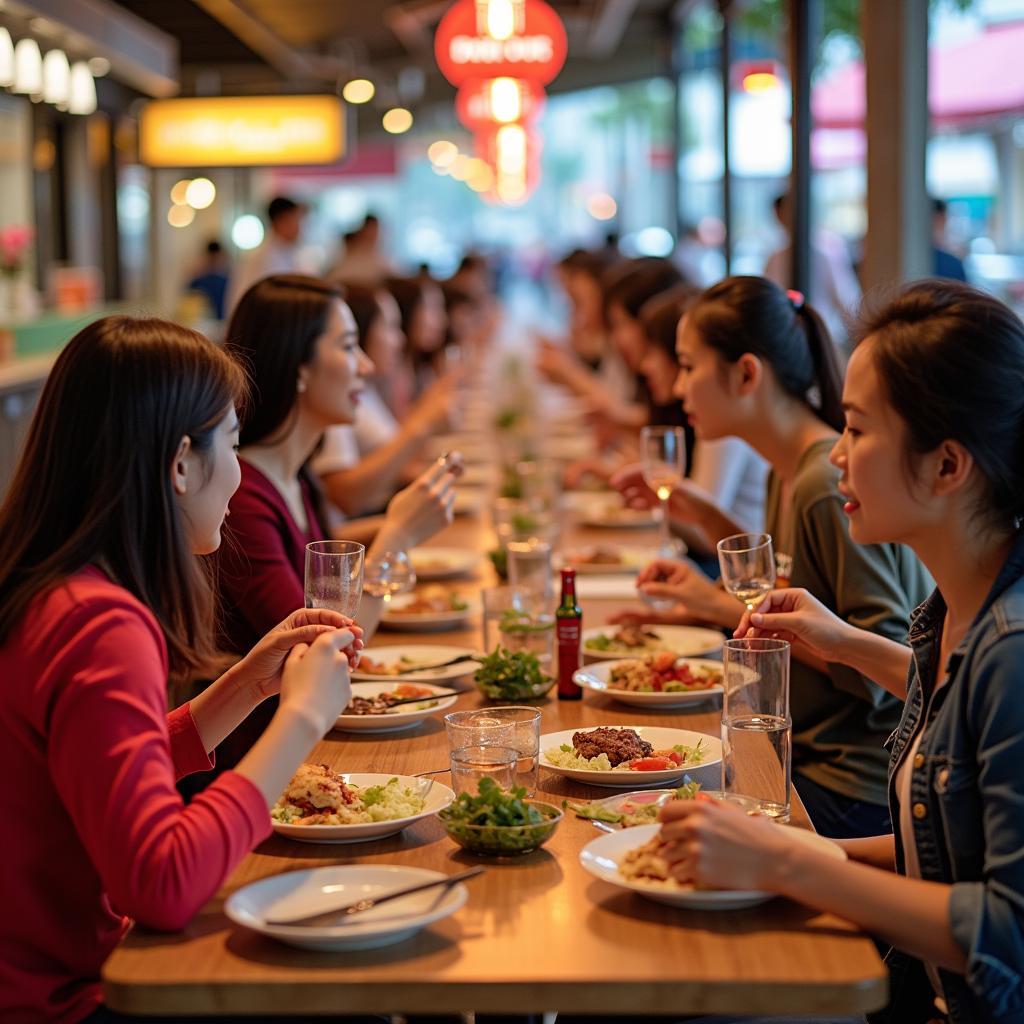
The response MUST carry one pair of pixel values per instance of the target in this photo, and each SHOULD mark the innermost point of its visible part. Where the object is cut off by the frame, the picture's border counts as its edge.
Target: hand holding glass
(747, 561)
(334, 575)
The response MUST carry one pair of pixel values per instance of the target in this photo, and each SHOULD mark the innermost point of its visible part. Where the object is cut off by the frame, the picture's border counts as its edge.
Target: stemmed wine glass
(747, 561)
(663, 457)
(388, 574)
(334, 575)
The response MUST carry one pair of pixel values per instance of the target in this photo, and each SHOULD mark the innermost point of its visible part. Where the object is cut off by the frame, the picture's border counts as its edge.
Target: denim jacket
(967, 803)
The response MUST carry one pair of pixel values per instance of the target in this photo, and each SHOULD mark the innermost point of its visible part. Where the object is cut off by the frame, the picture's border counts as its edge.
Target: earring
(300, 386)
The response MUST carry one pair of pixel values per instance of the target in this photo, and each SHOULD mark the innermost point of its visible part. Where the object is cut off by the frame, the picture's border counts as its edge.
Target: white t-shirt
(735, 475)
(344, 446)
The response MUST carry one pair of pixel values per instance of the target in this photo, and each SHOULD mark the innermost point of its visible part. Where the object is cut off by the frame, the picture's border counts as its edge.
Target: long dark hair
(273, 333)
(365, 308)
(93, 485)
(753, 314)
(632, 286)
(951, 362)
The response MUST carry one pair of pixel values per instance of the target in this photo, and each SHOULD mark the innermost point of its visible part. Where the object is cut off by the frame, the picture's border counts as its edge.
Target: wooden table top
(538, 933)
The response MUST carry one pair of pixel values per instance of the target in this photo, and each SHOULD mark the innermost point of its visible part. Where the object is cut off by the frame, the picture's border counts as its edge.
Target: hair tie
(796, 299)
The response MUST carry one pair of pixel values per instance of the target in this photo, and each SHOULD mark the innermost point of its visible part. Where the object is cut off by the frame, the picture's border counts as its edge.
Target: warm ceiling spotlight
(28, 67)
(602, 206)
(83, 89)
(179, 192)
(247, 231)
(481, 177)
(359, 90)
(98, 66)
(506, 98)
(200, 193)
(442, 153)
(462, 167)
(397, 120)
(761, 82)
(56, 78)
(180, 216)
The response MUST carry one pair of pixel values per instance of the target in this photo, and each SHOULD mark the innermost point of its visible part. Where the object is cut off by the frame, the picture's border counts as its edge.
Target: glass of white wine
(747, 561)
(334, 575)
(663, 457)
(388, 574)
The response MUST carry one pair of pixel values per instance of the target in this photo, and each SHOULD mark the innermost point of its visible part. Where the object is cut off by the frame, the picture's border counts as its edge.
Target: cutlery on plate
(347, 910)
(432, 771)
(602, 826)
(423, 699)
(440, 664)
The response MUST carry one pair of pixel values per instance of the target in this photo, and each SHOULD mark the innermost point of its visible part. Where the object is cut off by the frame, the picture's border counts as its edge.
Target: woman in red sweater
(125, 478)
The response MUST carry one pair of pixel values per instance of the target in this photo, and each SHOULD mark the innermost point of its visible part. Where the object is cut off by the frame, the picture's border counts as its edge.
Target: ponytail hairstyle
(755, 315)
(93, 484)
(273, 333)
(951, 362)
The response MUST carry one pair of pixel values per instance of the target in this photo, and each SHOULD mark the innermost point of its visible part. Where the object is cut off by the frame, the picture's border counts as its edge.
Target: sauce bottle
(568, 626)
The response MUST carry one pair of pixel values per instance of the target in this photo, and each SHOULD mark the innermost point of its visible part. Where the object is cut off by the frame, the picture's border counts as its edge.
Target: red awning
(982, 77)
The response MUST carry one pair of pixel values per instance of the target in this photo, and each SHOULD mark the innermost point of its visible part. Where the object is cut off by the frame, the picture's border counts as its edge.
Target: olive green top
(841, 719)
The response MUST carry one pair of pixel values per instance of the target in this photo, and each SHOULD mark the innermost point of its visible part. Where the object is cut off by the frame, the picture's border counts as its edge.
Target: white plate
(707, 771)
(303, 892)
(434, 622)
(424, 654)
(595, 677)
(685, 641)
(405, 716)
(442, 563)
(438, 798)
(632, 560)
(617, 517)
(602, 857)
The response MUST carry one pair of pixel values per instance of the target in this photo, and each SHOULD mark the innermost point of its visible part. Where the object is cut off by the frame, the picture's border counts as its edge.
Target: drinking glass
(529, 566)
(747, 561)
(663, 457)
(334, 575)
(757, 731)
(388, 574)
(476, 729)
(524, 724)
(471, 764)
(519, 619)
(519, 519)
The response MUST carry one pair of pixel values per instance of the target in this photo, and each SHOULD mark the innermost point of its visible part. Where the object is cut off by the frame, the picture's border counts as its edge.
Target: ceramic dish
(685, 641)
(405, 716)
(596, 677)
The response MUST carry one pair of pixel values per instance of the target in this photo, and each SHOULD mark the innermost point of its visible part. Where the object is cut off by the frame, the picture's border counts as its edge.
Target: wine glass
(334, 575)
(747, 561)
(388, 574)
(663, 457)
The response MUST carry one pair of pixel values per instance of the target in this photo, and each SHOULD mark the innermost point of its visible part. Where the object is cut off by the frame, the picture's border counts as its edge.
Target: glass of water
(747, 561)
(334, 575)
(472, 764)
(529, 566)
(757, 731)
(524, 737)
(388, 574)
(663, 457)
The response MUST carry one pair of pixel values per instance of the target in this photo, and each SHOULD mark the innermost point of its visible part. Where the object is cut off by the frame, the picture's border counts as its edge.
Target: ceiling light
(247, 231)
(83, 89)
(6, 59)
(397, 120)
(501, 19)
(602, 206)
(506, 100)
(200, 193)
(359, 90)
(461, 167)
(28, 67)
(180, 216)
(56, 78)
(442, 152)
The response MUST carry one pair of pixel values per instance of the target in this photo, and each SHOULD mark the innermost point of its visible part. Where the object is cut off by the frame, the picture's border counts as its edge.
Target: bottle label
(568, 633)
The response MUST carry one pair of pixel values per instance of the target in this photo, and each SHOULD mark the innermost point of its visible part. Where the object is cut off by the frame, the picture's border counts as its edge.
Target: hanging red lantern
(513, 152)
(481, 39)
(493, 101)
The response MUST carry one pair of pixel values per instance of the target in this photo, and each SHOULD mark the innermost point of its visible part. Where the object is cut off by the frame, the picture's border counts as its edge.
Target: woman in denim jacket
(933, 457)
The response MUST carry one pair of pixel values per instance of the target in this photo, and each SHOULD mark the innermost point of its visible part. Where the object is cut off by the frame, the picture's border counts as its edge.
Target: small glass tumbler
(757, 731)
(524, 724)
(472, 764)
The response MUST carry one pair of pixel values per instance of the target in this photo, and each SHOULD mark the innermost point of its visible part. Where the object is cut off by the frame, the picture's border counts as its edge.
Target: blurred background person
(211, 280)
(424, 323)
(361, 260)
(944, 262)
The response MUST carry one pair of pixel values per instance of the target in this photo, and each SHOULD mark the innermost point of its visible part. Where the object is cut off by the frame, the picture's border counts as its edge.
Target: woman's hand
(423, 508)
(717, 844)
(796, 616)
(261, 669)
(315, 681)
(695, 596)
(688, 502)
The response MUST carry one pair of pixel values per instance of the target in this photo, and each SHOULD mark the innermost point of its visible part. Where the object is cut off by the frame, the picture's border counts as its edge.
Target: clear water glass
(388, 574)
(757, 730)
(663, 459)
(524, 724)
(334, 575)
(529, 566)
(747, 561)
(473, 763)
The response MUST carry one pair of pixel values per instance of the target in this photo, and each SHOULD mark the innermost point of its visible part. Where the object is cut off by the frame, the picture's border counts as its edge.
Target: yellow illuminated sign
(242, 131)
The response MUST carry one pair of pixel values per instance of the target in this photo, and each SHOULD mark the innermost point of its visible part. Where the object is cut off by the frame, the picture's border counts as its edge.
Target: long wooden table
(538, 932)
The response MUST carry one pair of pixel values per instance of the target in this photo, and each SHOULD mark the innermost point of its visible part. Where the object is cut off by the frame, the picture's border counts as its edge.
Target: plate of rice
(320, 805)
(658, 680)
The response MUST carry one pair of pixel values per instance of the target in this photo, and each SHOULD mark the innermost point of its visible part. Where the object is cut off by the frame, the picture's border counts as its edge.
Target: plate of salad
(499, 822)
(631, 756)
(511, 675)
(658, 680)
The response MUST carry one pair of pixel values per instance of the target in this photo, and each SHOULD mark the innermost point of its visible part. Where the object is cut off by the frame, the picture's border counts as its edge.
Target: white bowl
(405, 716)
(303, 892)
(425, 654)
(596, 677)
(438, 797)
(602, 857)
(707, 771)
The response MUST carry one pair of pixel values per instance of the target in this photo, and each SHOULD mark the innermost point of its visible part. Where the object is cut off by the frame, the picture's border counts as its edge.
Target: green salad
(511, 675)
(630, 812)
(497, 821)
